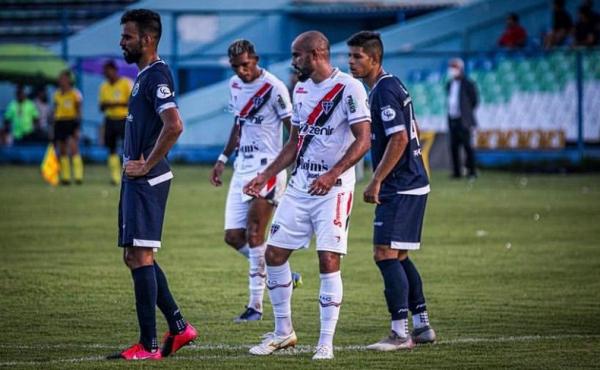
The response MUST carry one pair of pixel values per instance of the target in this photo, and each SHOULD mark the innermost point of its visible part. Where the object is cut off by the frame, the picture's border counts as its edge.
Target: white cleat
(393, 342)
(323, 352)
(272, 343)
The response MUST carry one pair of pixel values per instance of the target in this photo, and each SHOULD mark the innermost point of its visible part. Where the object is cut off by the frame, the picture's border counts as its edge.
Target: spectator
(585, 32)
(514, 36)
(40, 99)
(20, 118)
(462, 101)
(562, 24)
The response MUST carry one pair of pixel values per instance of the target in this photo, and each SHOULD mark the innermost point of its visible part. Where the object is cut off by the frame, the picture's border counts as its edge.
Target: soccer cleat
(173, 342)
(272, 343)
(323, 352)
(296, 280)
(393, 342)
(249, 315)
(135, 353)
(423, 335)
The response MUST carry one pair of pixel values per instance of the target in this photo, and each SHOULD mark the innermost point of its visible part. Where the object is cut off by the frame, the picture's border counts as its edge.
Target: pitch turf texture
(511, 265)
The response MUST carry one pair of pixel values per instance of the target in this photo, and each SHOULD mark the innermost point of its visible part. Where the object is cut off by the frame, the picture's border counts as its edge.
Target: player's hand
(215, 174)
(322, 184)
(253, 187)
(136, 168)
(371, 193)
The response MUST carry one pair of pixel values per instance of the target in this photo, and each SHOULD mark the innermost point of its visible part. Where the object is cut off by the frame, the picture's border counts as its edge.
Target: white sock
(279, 282)
(244, 251)
(420, 320)
(256, 276)
(400, 327)
(330, 300)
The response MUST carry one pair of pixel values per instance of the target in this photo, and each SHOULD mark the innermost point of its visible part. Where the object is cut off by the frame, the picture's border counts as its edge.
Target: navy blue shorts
(142, 211)
(399, 221)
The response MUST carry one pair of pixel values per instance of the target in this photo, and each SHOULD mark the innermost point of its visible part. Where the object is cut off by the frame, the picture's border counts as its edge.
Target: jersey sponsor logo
(235, 85)
(387, 113)
(417, 152)
(301, 90)
(135, 89)
(248, 148)
(351, 104)
(257, 120)
(314, 169)
(163, 91)
(281, 102)
(316, 130)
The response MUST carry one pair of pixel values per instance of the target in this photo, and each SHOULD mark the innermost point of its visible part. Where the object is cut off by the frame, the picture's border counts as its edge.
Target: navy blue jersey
(152, 93)
(392, 112)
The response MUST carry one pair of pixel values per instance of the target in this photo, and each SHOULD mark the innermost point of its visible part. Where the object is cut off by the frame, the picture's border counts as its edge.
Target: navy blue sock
(166, 302)
(144, 283)
(416, 299)
(396, 288)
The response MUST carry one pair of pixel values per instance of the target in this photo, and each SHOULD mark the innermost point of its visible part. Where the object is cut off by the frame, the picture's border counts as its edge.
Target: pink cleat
(173, 342)
(136, 352)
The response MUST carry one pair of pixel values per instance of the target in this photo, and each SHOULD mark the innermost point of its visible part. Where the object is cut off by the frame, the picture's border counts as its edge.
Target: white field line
(232, 347)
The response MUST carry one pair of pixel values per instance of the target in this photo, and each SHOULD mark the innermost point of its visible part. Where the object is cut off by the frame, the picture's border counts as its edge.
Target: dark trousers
(460, 136)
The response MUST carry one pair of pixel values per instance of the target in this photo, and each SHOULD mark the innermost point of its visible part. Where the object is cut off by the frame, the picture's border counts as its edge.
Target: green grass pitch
(510, 263)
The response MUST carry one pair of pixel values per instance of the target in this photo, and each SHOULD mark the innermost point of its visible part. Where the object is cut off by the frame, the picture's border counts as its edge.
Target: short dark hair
(514, 17)
(370, 41)
(110, 64)
(241, 46)
(148, 21)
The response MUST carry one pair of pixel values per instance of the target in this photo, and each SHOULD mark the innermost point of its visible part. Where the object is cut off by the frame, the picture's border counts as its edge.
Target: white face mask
(453, 72)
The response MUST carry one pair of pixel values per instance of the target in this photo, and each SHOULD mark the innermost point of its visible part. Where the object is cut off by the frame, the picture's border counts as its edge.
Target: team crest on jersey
(163, 91)
(274, 228)
(388, 113)
(257, 101)
(327, 105)
(135, 89)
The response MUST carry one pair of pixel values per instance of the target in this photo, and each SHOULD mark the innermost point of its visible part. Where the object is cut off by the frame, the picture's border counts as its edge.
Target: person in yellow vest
(114, 98)
(67, 121)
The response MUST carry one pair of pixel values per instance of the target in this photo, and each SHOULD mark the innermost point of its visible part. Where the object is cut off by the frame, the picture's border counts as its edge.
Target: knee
(381, 253)
(235, 239)
(130, 260)
(329, 262)
(256, 236)
(273, 258)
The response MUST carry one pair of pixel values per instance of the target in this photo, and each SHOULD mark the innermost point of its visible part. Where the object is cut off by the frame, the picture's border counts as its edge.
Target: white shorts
(300, 215)
(238, 203)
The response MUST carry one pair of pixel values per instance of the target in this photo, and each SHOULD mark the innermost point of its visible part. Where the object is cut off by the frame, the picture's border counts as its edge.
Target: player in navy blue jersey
(399, 187)
(151, 129)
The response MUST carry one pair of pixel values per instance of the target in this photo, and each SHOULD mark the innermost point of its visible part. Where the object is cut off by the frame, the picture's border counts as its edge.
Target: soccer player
(399, 187)
(151, 129)
(67, 123)
(329, 134)
(260, 103)
(114, 97)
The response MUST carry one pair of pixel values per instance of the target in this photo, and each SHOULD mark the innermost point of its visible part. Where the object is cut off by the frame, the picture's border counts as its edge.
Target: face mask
(453, 72)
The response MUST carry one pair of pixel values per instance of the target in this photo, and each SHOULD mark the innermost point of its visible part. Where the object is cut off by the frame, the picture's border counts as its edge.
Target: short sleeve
(356, 103)
(232, 100)
(391, 101)
(296, 106)
(160, 92)
(281, 101)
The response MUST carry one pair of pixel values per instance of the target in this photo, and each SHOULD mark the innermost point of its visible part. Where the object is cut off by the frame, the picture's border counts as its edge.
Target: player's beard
(302, 74)
(133, 55)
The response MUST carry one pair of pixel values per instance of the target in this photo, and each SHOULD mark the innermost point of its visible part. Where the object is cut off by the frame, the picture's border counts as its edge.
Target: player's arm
(172, 128)
(360, 146)
(284, 159)
(217, 171)
(287, 123)
(393, 152)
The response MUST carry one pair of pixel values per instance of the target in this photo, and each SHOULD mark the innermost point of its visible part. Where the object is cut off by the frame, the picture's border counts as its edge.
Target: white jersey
(259, 107)
(323, 113)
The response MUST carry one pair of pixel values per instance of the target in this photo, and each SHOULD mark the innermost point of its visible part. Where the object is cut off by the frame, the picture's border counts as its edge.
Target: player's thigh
(291, 227)
(331, 219)
(259, 214)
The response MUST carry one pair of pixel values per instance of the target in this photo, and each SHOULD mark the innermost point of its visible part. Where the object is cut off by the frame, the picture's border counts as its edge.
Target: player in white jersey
(260, 103)
(330, 133)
